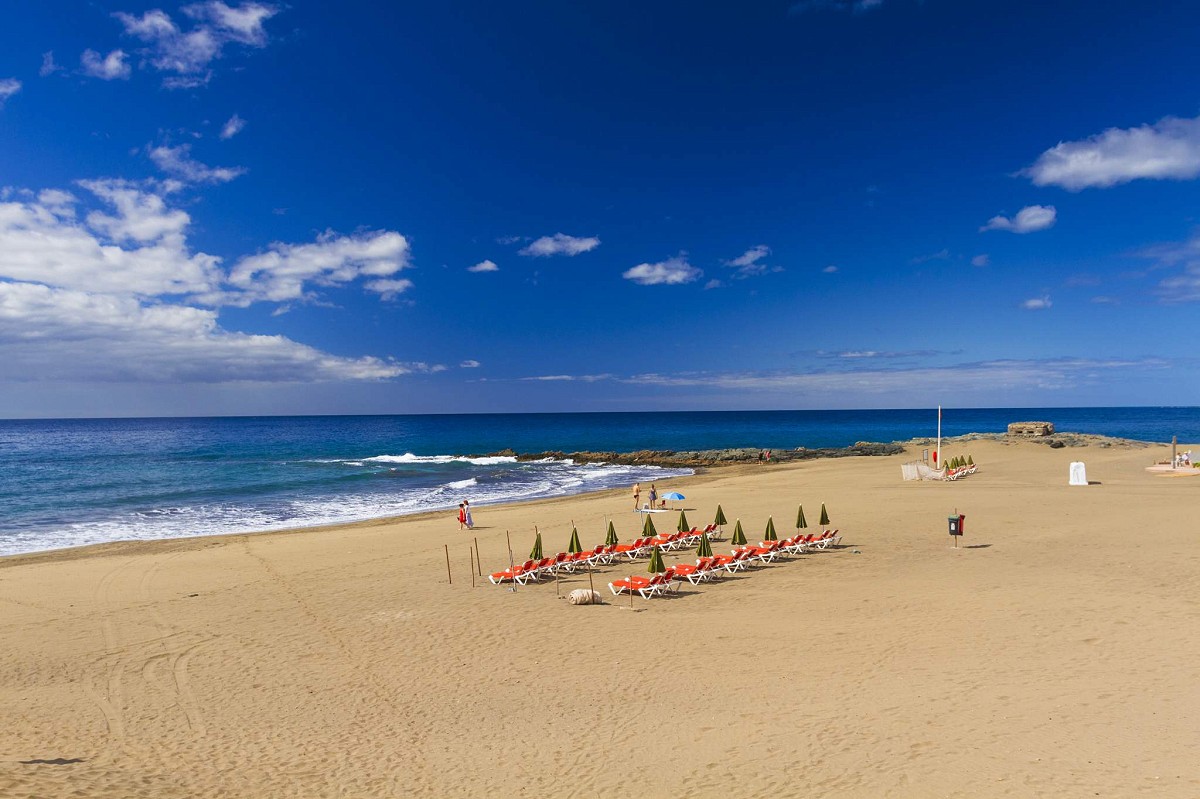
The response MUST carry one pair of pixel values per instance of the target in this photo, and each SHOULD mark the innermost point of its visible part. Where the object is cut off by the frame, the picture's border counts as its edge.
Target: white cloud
(980, 260)
(280, 274)
(671, 272)
(713, 284)
(567, 378)
(560, 244)
(8, 87)
(139, 250)
(484, 266)
(1168, 149)
(48, 66)
(110, 67)
(61, 334)
(830, 270)
(86, 294)
(470, 363)
(1037, 303)
(178, 162)
(388, 289)
(749, 262)
(188, 54)
(233, 127)
(1029, 219)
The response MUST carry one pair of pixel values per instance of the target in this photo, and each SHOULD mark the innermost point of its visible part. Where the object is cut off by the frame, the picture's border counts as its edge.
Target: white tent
(1078, 474)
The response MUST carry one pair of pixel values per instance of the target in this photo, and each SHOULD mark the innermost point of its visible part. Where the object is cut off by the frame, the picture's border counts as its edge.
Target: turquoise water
(73, 482)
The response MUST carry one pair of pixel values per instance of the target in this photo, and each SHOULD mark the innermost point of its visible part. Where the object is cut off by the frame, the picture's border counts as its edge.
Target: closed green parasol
(705, 548)
(739, 537)
(611, 538)
(656, 562)
(574, 546)
(683, 525)
(801, 522)
(536, 552)
(824, 516)
(719, 520)
(770, 534)
(648, 530)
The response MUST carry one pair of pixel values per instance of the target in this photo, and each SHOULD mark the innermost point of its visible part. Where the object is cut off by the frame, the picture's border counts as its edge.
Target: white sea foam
(462, 483)
(408, 457)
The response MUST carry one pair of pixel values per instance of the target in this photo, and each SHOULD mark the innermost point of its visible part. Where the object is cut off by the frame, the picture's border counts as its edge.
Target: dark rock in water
(714, 457)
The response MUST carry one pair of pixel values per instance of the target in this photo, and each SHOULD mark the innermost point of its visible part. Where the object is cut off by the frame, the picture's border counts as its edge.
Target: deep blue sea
(67, 483)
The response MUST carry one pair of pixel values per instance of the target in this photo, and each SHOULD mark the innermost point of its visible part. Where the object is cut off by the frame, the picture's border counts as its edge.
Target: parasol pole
(937, 452)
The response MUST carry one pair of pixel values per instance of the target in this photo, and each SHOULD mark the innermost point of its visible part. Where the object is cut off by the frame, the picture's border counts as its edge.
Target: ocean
(68, 483)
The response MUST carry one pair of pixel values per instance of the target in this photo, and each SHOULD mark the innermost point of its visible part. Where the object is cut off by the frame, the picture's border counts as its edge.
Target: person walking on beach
(467, 514)
(462, 515)
(637, 495)
(653, 494)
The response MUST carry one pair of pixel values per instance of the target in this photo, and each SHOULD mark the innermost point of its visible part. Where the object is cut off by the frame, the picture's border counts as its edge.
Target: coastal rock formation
(1031, 429)
(710, 457)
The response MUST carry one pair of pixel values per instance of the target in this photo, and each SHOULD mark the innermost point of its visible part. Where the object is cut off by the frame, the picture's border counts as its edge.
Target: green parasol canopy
(536, 552)
(824, 516)
(705, 548)
(611, 538)
(574, 546)
(656, 562)
(739, 537)
(770, 534)
(720, 519)
(683, 525)
(648, 530)
(801, 522)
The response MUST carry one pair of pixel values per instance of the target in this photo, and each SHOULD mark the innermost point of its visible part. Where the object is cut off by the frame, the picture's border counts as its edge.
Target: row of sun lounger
(711, 568)
(602, 555)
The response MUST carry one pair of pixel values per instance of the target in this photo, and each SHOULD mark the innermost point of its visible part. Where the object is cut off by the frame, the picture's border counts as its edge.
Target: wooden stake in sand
(512, 567)
(449, 579)
(478, 563)
(471, 553)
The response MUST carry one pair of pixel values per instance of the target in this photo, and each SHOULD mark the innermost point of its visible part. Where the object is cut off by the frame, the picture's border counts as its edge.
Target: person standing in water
(637, 495)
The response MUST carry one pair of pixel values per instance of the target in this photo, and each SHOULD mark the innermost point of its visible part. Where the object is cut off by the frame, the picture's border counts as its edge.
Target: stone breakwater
(1052, 440)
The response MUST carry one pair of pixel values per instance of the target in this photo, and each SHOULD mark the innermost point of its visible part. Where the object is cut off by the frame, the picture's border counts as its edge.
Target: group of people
(464, 515)
(637, 496)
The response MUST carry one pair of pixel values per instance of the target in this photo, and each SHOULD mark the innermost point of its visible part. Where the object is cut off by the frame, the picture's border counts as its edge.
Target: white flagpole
(938, 451)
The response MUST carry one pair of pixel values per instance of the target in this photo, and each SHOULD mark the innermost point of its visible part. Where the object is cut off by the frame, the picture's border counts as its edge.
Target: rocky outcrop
(711, 457)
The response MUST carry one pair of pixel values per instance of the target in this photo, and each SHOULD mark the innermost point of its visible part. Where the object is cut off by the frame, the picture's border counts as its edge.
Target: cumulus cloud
(1029, 219)
(281, 273)
(980, 260)
(671, 272)
(62, 334)
(484, 266)
(713, 284)
(8, 87)
(138, 248)
(110, 290)
(1168, 149)
(109, 67)
(1037, 303)
(178, 163)
(560, 244)
(750, 262)
(187, 54)
(233, 127)
(470, 363)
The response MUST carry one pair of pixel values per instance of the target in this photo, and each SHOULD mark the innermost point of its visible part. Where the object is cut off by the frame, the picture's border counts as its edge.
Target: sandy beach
(1054, 653)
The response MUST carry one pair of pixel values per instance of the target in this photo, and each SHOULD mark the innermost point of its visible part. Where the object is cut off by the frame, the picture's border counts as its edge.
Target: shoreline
(698, 460)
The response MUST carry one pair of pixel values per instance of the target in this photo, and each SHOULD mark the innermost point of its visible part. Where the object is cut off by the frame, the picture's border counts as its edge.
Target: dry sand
(1055, 654)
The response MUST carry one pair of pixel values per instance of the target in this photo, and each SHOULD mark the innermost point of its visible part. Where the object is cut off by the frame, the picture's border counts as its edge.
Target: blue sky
(245, 208)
